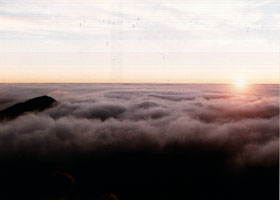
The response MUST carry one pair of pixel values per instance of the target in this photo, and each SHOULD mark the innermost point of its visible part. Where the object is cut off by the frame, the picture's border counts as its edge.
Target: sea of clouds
(242, 123)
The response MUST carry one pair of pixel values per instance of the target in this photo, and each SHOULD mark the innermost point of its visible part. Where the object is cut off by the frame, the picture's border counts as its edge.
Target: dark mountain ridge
(33, 105)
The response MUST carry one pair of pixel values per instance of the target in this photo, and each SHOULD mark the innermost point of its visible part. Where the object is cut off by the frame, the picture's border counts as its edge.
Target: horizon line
(159, 83)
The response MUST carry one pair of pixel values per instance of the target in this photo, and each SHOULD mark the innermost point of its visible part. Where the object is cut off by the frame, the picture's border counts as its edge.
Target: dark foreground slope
(32, 105)
(180, 173)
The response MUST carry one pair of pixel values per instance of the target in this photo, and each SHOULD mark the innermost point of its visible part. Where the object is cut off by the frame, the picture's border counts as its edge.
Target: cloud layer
(94, 118)
(143, 141)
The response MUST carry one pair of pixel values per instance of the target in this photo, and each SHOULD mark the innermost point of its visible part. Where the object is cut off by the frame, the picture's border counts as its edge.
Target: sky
(155, 41)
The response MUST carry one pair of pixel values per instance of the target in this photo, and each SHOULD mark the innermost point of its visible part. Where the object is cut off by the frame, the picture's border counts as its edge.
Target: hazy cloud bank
(94, 118)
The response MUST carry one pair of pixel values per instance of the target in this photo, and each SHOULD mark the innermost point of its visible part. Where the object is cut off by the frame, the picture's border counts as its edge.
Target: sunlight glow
(240, 83)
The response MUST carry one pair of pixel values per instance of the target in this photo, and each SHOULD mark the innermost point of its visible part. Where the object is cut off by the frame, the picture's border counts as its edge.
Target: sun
(240, 83)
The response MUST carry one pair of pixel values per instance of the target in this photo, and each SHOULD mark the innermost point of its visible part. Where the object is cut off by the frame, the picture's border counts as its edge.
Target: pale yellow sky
(154, 41)
(137, 76)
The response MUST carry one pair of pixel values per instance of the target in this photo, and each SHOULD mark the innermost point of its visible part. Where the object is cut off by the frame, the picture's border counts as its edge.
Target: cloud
(126, 139)
(232, 110)
(173, 97)
(100, 111)
(247, 130)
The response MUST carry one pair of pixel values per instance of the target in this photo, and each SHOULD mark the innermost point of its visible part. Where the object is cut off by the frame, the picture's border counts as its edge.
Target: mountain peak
(33, 105)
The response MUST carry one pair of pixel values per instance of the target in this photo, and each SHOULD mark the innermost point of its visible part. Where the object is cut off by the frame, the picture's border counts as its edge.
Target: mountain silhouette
(33, 105)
